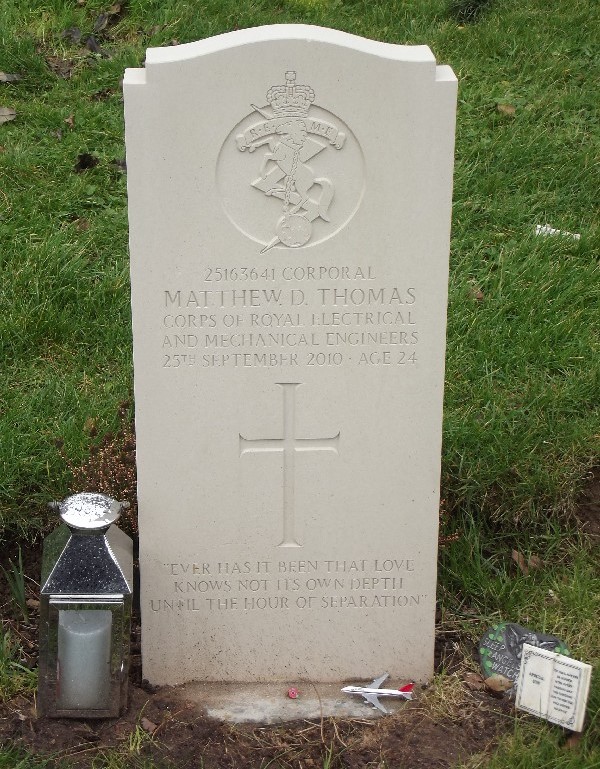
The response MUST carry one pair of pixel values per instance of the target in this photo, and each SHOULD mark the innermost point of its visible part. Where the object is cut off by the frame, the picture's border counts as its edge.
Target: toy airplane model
(372, 692)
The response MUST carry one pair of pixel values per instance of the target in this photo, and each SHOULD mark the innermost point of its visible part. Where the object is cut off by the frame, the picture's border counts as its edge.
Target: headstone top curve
(274, 32)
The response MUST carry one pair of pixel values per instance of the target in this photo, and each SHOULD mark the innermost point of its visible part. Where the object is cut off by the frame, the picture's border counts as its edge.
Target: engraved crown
(290, 100)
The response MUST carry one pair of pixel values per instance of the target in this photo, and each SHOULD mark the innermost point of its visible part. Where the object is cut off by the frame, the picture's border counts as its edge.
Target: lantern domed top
(87, 556)
(89, 511)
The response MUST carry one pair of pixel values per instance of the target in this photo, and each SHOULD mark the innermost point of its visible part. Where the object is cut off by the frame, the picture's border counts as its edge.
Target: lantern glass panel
(84, 667)
(84, 659)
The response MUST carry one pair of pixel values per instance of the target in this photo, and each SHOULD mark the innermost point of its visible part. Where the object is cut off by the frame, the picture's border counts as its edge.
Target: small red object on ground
(293, 693)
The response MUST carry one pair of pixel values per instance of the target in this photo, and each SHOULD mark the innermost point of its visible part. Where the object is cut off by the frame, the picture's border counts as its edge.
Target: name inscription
(307, 324)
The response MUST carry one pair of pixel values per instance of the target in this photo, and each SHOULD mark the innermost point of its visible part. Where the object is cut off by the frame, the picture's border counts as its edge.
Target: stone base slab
(269, 703)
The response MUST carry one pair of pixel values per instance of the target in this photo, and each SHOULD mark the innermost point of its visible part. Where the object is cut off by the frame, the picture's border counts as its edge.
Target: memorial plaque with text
(289, 205)
(553, 687)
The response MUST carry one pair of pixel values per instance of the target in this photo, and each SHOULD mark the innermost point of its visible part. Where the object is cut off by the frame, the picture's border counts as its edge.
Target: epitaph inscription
(309, 585)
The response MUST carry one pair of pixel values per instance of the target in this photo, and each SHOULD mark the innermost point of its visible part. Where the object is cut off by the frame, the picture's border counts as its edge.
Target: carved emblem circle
(290, 174)
(293, 230)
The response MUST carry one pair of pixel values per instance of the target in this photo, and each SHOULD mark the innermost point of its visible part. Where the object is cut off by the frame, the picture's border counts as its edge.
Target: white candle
(84, 659)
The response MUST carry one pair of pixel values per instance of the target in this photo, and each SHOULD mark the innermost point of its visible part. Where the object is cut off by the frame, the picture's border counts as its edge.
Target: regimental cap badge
(293, 137)
(290, 100)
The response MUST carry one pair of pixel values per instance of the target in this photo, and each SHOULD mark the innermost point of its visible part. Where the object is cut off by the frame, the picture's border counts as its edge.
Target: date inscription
(288, 317)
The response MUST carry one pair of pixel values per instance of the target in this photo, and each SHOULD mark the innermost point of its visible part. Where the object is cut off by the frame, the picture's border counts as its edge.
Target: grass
(560, 595)
(540, 746)
(521, 422)
(15, 579)
(15, 759)
(14, 677)
(480, 584)
(127, 756)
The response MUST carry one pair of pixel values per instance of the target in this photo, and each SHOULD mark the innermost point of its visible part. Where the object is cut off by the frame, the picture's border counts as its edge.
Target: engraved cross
(289, 444)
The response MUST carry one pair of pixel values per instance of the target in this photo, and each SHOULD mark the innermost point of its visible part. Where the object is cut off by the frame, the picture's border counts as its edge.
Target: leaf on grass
(72, 34)
(85, 161)
(101, 22)
(5, 77)
(498, 684)
(105, 93)
(92, 45)
(7, 114)
(61, 67)
(476, 293)
(527, 565)
(70, 121)
(82, 224)
(534, 562)
(90, 425)
(519, 559)
(474, 681)
(108, 17)
(506, 109)
(33, 603)
(148, 725)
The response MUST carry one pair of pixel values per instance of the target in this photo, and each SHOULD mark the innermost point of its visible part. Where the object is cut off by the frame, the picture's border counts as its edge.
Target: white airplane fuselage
(378, 692)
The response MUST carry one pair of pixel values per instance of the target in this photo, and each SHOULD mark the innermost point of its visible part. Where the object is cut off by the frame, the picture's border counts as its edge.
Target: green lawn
(521, 413)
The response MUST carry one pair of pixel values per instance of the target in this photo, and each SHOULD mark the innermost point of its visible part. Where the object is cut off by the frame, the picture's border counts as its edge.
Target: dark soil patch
(587, 511)
(186, 739)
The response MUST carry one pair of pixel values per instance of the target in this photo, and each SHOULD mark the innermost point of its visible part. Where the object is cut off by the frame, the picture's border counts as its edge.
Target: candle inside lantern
(84, 641)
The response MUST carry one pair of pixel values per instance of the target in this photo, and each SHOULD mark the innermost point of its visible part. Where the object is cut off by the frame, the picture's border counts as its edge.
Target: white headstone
(289, 204)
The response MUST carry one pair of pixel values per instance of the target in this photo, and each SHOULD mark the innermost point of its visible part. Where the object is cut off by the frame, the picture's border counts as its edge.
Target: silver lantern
(85, 611)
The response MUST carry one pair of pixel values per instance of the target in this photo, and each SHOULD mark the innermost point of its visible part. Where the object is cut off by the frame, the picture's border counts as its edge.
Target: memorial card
(553, 687)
